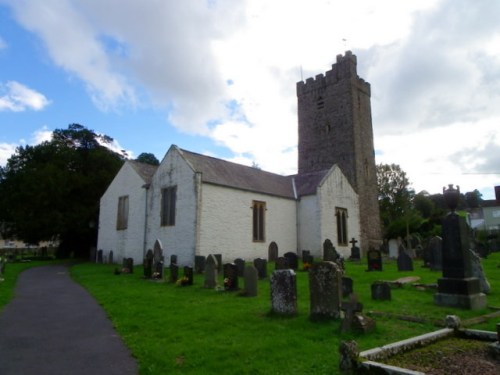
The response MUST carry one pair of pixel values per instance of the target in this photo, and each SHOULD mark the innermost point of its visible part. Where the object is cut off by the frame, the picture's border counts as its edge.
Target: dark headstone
(292, 260)
(355, 251)
(158, 260)
(174, 272)
(374, 258)
(261, 265)
(128, 265)
(281, 264)
(381, 291)
(436, 254)
(110, 257)
(250, 278)
(329, 252)
(305, 255)
(189, 275)
(350, 309)
(199, 263)
(210, 272)
(99, 256)
(284, 292)
(173, 259)
(240, 265)
(347, 286)
(325, 290)
(148, 264)
(405, 263)
(308, 259)
(230, 277)
(272, 251)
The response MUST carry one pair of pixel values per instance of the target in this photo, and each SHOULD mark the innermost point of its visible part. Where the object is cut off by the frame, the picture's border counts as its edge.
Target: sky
(218, 77)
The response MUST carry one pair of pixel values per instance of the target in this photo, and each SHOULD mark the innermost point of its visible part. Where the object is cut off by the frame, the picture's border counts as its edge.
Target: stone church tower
(335, 127)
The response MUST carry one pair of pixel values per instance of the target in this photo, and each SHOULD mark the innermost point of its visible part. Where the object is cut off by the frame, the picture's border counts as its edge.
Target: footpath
(54, 326)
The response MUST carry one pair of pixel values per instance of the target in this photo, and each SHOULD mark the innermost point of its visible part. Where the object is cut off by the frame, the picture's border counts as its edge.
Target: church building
(199, 205)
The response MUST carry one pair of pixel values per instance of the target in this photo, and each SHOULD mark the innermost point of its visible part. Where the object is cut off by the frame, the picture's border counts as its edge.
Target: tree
(52, 190)
(473, 199)
(148, 158)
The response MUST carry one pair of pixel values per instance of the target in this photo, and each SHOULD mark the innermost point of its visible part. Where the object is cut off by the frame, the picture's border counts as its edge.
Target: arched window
(341, 216)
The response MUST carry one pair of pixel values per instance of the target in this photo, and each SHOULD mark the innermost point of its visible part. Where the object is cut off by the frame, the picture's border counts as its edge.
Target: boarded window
(341, 216)
(259, 211)
(122, 215)
(168, 198)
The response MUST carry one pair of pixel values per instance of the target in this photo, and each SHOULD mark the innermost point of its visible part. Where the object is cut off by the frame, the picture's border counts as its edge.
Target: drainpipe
(146, 188)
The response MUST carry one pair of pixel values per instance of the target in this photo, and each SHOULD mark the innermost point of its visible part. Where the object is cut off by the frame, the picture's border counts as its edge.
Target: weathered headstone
(272, 252)
(381, 291)
(405, 263)
(292, 260)
(329, 252)
(250, 277)
(325, 290)
(110, 257)
(374, 258)
(347, 286)
(261, 265)
(99, 256)
(230, 277)
(189, 275)
(240, 265)
(210, 272)
(355, 251)
(477, 271)
(174, 273)
(393, 248)
(281, 264)
(284, 292)
(199, 263)
(148, 264)
(436, 253)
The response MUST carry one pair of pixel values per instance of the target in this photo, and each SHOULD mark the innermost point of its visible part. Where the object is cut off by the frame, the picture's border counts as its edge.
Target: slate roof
(224, 173)
(307, 183)
(146, 171)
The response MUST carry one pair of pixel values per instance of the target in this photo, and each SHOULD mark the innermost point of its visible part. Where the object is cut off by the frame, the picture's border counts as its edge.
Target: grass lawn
(192, 330)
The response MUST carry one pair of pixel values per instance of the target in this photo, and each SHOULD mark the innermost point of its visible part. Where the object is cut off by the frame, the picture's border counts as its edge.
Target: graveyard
(192, 328)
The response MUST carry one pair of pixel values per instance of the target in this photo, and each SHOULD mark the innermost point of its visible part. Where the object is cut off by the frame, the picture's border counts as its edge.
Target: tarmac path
(54, 326)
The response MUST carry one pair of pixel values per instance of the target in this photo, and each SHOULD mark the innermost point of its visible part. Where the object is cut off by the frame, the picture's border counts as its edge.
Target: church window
(122, 215)
(258, 221)
(341, 216)
(320, 103)
(168, 200)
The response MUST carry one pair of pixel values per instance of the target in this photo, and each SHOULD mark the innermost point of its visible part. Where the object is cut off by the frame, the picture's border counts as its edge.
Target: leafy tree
(51, 191)
(473, 199)
(148, 158)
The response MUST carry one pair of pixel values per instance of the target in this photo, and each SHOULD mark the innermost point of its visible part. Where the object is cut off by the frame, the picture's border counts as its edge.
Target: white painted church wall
(226, 223)
(309, 237)
(126, 243)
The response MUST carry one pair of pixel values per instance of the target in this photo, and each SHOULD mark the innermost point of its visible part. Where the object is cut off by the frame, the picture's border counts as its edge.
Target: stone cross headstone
(347, 286)
(292, 260)
(148, 264)
(393, 248)
(281, 264)
(436, 253)
(240, 265)
(405, 263)
(174, 272)
(374, 258)
(325, 290)
(350, 309)
(230, 277)
(110, 258)
(355, 251)
(272, 252)
(199, 263)
(210, 272)
(189, 275)
(99, 256)
(250, 277)
(283, 292)
(381, 291)
(329, 252)
(261, 265)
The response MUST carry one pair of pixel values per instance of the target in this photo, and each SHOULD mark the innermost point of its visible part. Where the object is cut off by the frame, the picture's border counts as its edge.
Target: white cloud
(6, 151)
(41, 135)
(16, 97)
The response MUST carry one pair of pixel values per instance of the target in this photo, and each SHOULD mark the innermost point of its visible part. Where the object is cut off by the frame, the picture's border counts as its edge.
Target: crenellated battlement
(344, 68)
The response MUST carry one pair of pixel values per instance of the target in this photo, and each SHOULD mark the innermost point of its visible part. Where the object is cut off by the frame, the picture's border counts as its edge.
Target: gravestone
(477, 271)
(99, 256)
(436, 253)
(292, 260)
(329, 252)
(128, 265)
(281, 264)
(240, 265)
(305, 255)
(457, 287)
(350, 309)
(173, 259)
(347, 286)
(261, 265)
(189, 275)
(230, 277)
(210, 272)
(374, 258)
(355, 251)
(272, 252)
(393, 248)
(405, 263)
(219, 262)
(381, 291)
(110, 257)
(148, 264)
(158, 259)
(250, 277)
(174, 273)
(284, 292)
(308, 259)
(325, 290)
(199, 263)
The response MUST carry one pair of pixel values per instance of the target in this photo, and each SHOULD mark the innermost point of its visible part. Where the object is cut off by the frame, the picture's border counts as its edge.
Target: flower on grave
(307, 266)
(125, 270)
(182, 281)
(228, 283)
(156, 275)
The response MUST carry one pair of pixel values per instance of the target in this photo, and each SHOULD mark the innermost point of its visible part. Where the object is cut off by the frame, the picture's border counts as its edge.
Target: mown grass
(192, 330)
